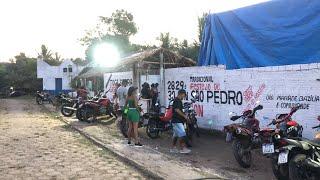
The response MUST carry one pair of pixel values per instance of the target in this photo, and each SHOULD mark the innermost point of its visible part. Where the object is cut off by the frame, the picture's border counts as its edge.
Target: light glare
(106, 55)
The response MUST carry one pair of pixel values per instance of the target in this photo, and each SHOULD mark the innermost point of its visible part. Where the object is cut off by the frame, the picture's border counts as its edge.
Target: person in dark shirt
(177, 121)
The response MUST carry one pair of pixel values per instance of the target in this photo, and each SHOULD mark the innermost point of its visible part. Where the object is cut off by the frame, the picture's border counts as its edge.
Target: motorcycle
(91, 108)
(159, 122)
(302, 157)
(69, 106)
(191, 127)
(42, 97)
(286, 127)
(245, 135)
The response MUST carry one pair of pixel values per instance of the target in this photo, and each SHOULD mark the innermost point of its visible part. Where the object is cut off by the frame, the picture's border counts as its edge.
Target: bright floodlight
(106, 55)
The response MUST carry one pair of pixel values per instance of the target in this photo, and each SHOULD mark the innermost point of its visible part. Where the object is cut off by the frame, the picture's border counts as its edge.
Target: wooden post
(162, 81)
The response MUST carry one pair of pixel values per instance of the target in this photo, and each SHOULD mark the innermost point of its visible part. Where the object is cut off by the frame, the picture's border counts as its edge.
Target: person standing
(133, 116)
(178, 119)
(82, 93)
(122, 92)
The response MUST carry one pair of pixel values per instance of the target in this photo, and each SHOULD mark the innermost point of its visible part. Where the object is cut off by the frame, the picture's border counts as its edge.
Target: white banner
(222, 91)
(112, 79)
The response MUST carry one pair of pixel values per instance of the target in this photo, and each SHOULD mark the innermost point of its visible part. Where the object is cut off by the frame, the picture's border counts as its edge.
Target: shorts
(133, 115)
(178, 130)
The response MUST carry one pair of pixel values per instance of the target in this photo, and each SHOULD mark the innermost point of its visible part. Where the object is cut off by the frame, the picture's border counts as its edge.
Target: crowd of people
(127, 100)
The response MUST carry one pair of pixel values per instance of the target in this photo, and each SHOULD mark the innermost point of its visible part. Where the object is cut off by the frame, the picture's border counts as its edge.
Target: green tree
(201, 24)
(48, 57)
(168, 42)
(116, 29)
(45, 54)
(22, 73)
(120, 23)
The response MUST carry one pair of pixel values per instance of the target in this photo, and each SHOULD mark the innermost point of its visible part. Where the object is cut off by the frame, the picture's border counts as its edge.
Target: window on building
(65, 69)
(70, 69)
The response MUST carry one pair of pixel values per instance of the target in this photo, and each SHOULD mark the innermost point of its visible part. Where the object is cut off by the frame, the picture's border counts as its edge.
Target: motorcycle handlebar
(233, 118)
(315, 127)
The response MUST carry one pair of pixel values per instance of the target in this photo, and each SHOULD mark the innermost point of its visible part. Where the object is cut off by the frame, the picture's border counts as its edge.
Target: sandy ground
(35, 145)
(210, 152)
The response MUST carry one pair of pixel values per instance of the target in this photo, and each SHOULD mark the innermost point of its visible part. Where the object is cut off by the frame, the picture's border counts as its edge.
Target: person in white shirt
(122, 92)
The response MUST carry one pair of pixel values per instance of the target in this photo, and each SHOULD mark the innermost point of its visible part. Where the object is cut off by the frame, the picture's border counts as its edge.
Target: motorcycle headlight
(277, 136)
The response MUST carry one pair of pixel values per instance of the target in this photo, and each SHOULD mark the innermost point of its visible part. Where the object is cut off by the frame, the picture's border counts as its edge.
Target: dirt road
(35, 145)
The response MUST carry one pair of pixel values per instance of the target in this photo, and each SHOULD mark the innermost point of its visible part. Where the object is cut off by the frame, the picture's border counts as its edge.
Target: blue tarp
(274, 33)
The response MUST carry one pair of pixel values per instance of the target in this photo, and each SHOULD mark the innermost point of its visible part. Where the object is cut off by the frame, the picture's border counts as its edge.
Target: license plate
(283, 157)
(267, 148)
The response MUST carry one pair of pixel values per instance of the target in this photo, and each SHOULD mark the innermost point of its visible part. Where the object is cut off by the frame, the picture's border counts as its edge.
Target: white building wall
(275, 87)
(48, 73)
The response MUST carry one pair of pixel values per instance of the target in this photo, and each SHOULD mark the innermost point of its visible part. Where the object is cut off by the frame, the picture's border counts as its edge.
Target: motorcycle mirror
(259, 107)
(233, 118)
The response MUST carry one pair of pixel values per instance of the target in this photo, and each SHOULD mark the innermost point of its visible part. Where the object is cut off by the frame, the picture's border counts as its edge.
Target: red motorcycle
(158, 122)
(245, 136)
(91, 109)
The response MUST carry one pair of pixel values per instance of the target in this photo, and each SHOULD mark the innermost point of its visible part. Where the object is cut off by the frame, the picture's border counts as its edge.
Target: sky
(27, 24)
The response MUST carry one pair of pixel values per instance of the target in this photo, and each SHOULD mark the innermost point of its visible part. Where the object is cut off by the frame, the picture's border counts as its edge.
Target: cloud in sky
(26, 24)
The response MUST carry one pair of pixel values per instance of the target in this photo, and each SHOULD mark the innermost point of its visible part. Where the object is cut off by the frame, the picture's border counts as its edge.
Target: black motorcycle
(69, 106)
(42, 97)
(123, 122)
(303, 158)
(192, 127)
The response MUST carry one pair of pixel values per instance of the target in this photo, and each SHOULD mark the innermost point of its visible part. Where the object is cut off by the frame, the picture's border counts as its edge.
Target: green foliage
(115, 30)
(120, 23)
(21, 73)
(183, 47)
(48, 57)
(168, 42)
(201, 23)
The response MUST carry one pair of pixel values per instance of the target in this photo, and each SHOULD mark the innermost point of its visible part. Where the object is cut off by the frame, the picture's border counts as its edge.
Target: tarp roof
(274, 33)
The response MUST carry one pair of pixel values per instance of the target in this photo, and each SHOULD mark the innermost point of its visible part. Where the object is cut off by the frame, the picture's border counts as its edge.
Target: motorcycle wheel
(242, 156)
(66, 112)
(152, 130)
(39, 101)
(281, 172)
(196, 127)
(87, 114)
(294, 169)
(124, 126)
(79, 114)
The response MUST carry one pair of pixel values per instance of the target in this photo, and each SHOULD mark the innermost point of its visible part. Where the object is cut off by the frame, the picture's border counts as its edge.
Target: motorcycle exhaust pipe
(70, 108)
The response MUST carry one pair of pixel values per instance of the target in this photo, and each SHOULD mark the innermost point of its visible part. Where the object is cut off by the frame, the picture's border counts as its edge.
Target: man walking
(178, 119)
(122, 93)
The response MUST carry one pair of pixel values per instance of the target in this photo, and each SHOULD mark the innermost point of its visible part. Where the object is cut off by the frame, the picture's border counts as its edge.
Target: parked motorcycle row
(85, 109)
(292, 156)
(154, 122)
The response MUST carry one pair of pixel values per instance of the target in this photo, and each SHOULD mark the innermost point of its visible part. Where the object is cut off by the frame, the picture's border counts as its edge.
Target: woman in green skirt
(133, 115)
